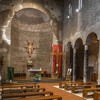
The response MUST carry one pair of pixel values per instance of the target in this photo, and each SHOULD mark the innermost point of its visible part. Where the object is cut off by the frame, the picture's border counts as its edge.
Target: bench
(62, 84)
(86, 91)
(80, 87)
(12, 95)
(19, 76)
(96, 96)
(20, 90)
(20, 85)
(69, 85)
(53, 97)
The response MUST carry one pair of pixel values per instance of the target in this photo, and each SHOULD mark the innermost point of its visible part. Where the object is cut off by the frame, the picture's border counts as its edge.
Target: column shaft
(85, 63)
(99, 64)
(74, 64)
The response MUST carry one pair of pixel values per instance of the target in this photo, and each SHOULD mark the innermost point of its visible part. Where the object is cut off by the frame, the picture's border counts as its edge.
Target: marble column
(74, 64)
(85, 63)
(99, 65)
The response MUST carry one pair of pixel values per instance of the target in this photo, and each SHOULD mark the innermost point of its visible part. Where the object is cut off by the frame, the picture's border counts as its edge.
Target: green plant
(37, 76)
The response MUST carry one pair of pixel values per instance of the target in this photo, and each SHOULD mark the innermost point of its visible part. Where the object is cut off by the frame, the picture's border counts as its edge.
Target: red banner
(57, 59)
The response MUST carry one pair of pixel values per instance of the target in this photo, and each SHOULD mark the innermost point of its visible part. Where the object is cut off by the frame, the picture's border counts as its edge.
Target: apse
(30, 25)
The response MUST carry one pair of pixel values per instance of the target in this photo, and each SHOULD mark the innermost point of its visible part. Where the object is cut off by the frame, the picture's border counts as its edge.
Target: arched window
(70, 9)
(80, 4)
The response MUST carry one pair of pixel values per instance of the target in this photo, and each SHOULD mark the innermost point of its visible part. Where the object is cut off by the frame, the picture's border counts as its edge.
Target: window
(79, 5)
(70, 9)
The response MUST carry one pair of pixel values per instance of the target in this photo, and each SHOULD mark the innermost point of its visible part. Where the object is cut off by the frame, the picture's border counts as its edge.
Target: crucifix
(29, 48)
(57, 54)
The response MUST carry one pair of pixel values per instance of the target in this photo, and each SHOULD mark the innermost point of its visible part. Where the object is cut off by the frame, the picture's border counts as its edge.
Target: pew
(20, 90)
(53, 97)
(96, 96)
(86, 91)
(13, 95)
(20, 86)
(69, 85)
(63, 83)
(80, 87)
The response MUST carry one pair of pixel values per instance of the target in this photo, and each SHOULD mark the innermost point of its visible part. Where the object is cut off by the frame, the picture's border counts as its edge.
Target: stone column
(85, 63)
(99, 65)
(74, 64)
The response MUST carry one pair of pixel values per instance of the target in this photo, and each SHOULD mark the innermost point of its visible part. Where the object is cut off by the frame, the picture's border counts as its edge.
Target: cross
(57, 56)
(29, 48)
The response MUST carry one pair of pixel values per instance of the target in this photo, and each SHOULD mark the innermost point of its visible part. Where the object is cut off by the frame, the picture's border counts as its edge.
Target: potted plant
(37, 77)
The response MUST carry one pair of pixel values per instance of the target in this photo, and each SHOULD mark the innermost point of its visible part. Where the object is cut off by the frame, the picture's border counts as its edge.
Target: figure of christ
(29, 48)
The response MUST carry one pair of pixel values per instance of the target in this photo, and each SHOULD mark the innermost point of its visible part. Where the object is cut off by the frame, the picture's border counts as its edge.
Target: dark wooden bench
(96, 96)
(20, 90)
(80, 87)
(16, 83)
(20, 85)
(68, 86)
(53, 97)
(61, 84)
(13, 95)
(86, 91)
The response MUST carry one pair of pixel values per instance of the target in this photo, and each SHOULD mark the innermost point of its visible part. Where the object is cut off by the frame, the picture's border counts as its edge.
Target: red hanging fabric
(57, 59)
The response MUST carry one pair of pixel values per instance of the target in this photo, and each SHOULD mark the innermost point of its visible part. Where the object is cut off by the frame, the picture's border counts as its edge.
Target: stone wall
(81, 23)
(41, 56)
(8, 8)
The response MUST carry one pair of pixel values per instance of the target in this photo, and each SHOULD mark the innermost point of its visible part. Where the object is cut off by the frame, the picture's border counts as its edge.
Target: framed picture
(69, 71)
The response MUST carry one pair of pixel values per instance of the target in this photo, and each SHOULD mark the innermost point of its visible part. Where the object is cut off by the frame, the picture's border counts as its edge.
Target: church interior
(49, 43)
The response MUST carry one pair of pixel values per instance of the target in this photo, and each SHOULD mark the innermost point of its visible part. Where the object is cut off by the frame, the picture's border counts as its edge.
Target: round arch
(93, 51)
(92, 37)
(79, 60)
(34, 5)
(68, 58)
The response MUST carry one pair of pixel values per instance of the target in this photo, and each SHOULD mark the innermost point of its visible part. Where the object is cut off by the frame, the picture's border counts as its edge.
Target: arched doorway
(70, 55)
(79, 59)
(69, 59)
(93, 49)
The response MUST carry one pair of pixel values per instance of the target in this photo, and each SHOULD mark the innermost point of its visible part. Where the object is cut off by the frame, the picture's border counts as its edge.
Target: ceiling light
(77, 10)
(68, 17)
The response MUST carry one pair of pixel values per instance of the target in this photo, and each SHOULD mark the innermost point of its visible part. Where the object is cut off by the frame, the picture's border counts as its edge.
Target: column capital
(85, 46)
(74, 50)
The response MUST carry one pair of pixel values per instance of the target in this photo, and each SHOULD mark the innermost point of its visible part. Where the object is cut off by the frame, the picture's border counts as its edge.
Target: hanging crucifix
(29, 48)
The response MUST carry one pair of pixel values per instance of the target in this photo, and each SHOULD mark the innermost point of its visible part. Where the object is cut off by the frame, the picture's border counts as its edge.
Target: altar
(33, 72)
